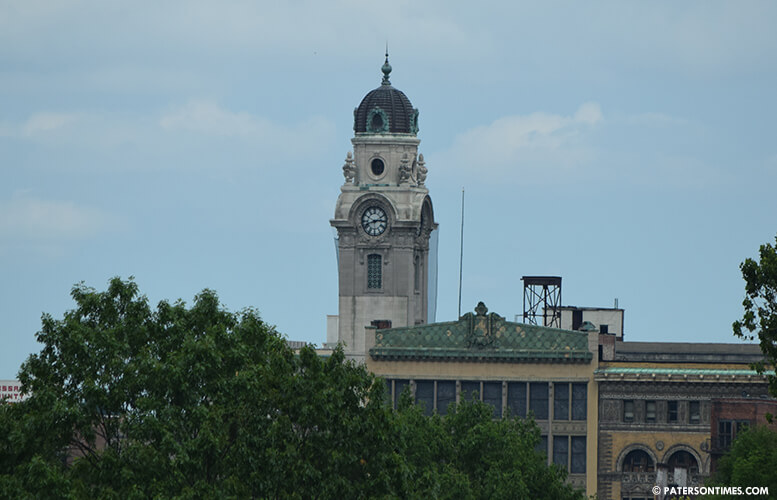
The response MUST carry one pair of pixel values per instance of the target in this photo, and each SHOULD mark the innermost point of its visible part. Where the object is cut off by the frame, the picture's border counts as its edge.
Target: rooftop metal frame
(542, 300)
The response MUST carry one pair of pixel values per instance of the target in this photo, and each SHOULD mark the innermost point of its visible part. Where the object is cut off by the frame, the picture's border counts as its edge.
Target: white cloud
(154, 139)
(589, 113)
(42, 219)
(40, 123)
(25, 218)
(533, 145)
(209, 119)
(174, 30)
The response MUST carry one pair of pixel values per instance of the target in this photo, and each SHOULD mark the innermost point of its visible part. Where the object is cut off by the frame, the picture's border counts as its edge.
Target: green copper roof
(481, 337)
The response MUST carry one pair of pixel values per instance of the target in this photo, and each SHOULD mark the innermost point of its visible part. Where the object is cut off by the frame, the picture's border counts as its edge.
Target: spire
(386, 69)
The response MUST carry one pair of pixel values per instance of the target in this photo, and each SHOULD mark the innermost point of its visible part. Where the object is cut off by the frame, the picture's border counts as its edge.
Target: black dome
(385, 110)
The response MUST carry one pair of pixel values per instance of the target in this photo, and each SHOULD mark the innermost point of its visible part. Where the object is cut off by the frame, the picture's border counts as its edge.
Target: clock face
(374, 221)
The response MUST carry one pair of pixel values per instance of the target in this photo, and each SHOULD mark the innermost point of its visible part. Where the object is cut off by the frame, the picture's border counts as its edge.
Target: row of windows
(650, 414)
(520, 398)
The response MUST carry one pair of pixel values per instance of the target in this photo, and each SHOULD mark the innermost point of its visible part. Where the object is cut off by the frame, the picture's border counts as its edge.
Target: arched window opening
(683, 460)
(638, 461)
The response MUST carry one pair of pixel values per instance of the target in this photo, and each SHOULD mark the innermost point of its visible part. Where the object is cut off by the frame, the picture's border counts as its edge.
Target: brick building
(730, 416)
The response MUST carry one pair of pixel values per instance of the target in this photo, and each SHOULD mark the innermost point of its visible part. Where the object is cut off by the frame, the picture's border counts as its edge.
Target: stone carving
(482, 328)
(421, 175)
(610, 411)
(349, 169)
(404, 170)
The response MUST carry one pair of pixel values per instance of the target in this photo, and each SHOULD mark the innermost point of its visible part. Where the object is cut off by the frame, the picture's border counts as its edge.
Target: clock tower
(384, 222)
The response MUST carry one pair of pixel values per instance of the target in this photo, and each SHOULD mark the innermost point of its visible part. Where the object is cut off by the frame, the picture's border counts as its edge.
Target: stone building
(384, 221)
(620, 416)
(655, 406)
(728, 417)
(516, 368)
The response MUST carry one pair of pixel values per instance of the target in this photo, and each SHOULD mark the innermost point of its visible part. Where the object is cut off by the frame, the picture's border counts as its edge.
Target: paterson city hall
(620, 416)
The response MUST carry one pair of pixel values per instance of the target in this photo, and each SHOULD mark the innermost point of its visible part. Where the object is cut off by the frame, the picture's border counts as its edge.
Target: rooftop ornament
(386, 69)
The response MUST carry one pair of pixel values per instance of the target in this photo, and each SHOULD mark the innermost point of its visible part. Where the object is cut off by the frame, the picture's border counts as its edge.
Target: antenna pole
(461, 251)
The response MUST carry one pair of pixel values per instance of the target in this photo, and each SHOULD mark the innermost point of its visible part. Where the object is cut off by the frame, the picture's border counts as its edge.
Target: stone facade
(516, 368)
(655, 402)
(384, 219)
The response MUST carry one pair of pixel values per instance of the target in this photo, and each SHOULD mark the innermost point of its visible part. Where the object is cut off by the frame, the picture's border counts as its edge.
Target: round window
(377, 167)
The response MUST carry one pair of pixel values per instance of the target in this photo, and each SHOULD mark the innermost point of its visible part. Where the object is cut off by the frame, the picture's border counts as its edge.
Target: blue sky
(628, 147)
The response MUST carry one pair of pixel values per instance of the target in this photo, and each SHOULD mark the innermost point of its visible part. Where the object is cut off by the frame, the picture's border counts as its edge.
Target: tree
(467, 454)
(760, 305)
(126, 401)
(129, 401)
(751, 461)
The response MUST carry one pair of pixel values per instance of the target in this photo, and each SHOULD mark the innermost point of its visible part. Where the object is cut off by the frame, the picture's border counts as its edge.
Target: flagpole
(461, 252)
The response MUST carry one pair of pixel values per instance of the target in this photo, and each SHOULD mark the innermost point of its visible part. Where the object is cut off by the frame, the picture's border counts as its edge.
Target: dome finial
(386, 69)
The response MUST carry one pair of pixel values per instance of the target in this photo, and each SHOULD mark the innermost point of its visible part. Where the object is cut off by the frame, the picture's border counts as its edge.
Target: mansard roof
(482, 337)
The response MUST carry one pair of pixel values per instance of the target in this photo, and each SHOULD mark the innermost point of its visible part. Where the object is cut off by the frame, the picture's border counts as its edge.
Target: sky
(628, 147)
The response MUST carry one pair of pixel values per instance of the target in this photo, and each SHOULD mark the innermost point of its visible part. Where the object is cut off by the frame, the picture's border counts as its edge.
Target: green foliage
(751, 461)
(760, 304)
(468, 455)
(129, 401)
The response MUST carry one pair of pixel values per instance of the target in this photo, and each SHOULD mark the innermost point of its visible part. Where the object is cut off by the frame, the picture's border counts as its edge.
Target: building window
(577, 465)
(628, 410)
(374, 271)
(492, 395)
(381, 324)
(671, 411)
(424, 395)
(683, 460)
(399, 387)
(728, 430)
(638, 461)
(560, 401)
(377, 165)
(542, 446)
(561, 450)
(650, 411)
(604, 328)
(470, 390)
(538, 400)
(694, 412)
(579, 401)
(725, 434)
(516, 401)
(446, 394)
(387, 396)
(577, 319)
